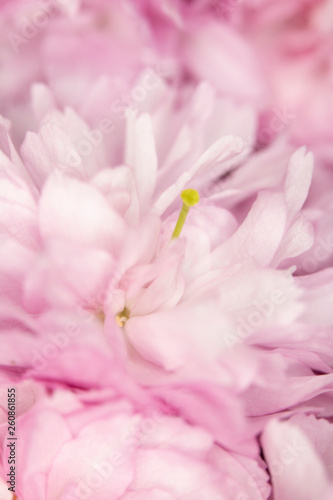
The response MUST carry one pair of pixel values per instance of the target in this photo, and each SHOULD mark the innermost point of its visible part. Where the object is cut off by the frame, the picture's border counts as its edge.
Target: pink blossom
(170, 290)
(190, 356)
(101, 446)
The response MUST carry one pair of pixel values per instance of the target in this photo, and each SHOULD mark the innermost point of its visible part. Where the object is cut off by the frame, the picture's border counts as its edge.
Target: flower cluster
(166, 250)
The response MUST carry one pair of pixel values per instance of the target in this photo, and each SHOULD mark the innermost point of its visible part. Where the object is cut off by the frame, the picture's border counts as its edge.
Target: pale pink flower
(115, 109)
(102, 245)
(100, 446)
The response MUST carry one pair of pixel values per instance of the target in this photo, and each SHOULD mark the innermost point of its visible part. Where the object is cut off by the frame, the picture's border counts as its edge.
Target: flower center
(190, 198)
(122, 317)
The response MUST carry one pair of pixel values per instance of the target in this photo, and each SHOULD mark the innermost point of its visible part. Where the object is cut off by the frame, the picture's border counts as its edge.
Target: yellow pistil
(190, 198)
(122, 317)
